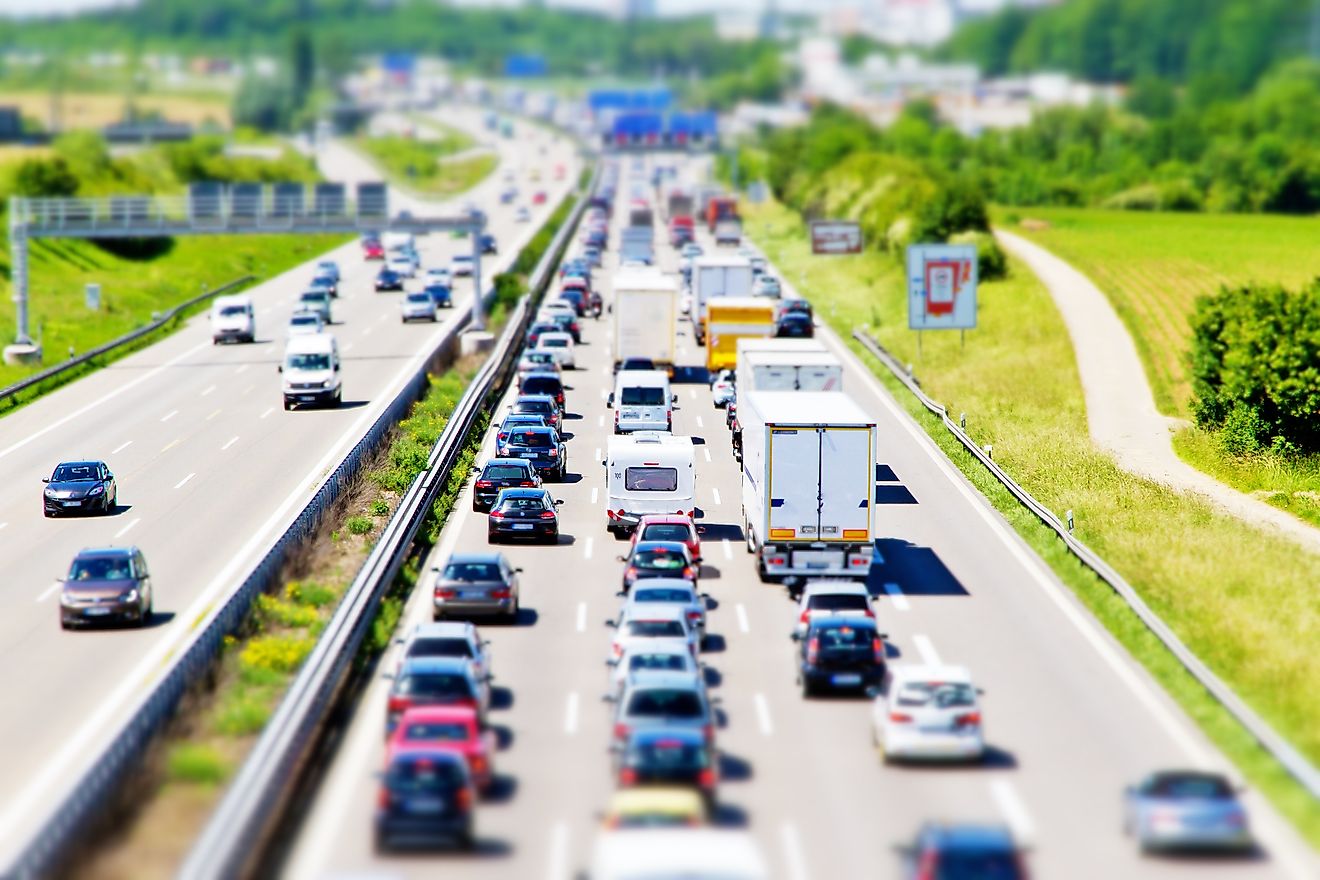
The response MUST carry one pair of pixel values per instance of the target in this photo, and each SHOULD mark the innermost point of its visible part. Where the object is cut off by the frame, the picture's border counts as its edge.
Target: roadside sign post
(942, 281)
(836, 237)
(92, 294)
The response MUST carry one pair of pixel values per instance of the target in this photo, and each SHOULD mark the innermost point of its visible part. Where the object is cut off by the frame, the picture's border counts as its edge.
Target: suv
(106, 584)
(840, 653)
(501, 473)
(538, 405)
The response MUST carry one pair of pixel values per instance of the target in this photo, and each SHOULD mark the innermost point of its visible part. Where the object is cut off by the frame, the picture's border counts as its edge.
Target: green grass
(197, 764)
(1254, 624)
(422, 166)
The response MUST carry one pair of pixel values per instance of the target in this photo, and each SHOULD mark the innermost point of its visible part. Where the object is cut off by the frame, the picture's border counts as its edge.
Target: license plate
(815, 566)
(933, 728)
(473, 594)
(527, 455)
(72, 503)
(425, 805)
(523, 527)
(845, 679)
(96, 612)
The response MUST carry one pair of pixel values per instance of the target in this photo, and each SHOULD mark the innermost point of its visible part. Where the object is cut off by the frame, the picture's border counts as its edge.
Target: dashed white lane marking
(169, 415)
(581, 617)
(586, 550)
(706, 449)
(173, 443)
(794, 861)
(1013, 810)
(121, 447)
(231, 442)
(763, 715)
(208, 390)
(929, 655)
(49, 591)
(213, 415)
(597, 458)
(743, 624)
(900, 601)
(250, 388)
(347, 346)
(700, 423)
(125, 529)
(571, 714)
(366, 331)
(604, 395)
(692, 393)
(557, 859)
(241, 370)
(594, 494)
(268, 411)
(3, 526)
(715, 493)
(184, 481)
(600, 421)
(382, 319)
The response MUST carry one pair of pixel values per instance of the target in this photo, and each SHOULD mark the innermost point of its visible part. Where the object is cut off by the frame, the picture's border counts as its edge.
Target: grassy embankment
(212, 738)
(91, 109)
(424, 165)
(1253, 624)
(1153, 266)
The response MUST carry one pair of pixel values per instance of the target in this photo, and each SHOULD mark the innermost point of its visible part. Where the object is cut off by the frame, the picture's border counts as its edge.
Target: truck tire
(748, 538)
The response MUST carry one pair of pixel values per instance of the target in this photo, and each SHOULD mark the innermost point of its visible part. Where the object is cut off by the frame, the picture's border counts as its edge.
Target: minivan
(311, 371)
(642, 401)
(233, 318)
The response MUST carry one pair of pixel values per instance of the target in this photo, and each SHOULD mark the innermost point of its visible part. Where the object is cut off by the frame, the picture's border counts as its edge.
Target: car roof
(846, 587)
(905, 672)
(475, 557)
(651, 734)
(320, 343)
(970, 836)
(425, 665)
(505, 462)
(443, 629)
(105, 552)
(655, 611)
(667, 519)
(536, 429)
(440, 713)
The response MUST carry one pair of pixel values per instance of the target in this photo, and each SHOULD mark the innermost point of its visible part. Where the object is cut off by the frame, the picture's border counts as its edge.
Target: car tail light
(869, 612)
(878, 650)
(707, 778)
(383, 798)
(630, 574)
(526, 483)
(554, 453)
(627, 776)
(968, 719)
(900, 717)
(485, 484)
(616, 418)
(689, 572)
(398, 704)
(464, 799)
(477, 764)
(694, 616)
(620, 729)
(547, 514)
(446, 594)
(502, 593)
(495, 514)
(927, 866)
(805, 617)
(502, 435)
(813, 650)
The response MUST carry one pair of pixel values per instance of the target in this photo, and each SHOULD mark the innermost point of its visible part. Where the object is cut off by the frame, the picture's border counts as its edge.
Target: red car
(373, 250)
(668, 527)
(538, 197)
(451, 728)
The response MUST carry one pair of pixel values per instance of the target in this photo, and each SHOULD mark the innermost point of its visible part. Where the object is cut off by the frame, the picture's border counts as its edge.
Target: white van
(642, 401)
(312, 371)
(233, 318)
(648, 472)
(642, 853)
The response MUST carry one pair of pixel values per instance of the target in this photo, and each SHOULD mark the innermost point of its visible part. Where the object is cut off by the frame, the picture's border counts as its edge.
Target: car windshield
(531, 439)
(522, 502)
(422, 776)
(669, 703)
(74, 473)
(657, 662)
(977, 865)
(1190, 788)
(100, 569)
(504, 472)
(440, 647)
(650, 479)
(656, 629)
(642, 396)
(436, 731)
(936, 694)
(472, 571)
(433, 684)
(232, 311)
(836, 602)
(844, 637)
(667, 532)
(660, 559)
(662, 594)
(310, 361)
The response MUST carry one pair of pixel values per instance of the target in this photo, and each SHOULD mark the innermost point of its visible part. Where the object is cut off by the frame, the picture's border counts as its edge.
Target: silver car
(663, 700)
(318, 301)
(641, 623)
(652, 657)
(417, 305)
(1186, 810)
(476, 585)
(651, 593)
(722, 389)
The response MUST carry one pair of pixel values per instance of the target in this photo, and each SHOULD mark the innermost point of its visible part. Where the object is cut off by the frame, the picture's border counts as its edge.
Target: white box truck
(808, 484)
(645, 316)
(788, 371)
(648, 472)
(713, 277)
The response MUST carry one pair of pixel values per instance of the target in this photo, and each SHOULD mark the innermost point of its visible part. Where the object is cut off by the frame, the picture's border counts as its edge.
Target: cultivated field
(95, 110)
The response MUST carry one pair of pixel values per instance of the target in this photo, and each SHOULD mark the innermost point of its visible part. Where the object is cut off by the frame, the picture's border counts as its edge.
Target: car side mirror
(698, 560)
(621, 593)
(519, 570)
(45, 479)
(607, 698)
(612, 624)
(673, 398)
(609, 402)
(797, 637)
(388, 676)
(558, 501)
(621, 559)
(883, 636)
(279, 368)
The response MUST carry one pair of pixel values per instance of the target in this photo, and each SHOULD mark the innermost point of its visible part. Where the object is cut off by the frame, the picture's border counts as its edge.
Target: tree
(45, 178)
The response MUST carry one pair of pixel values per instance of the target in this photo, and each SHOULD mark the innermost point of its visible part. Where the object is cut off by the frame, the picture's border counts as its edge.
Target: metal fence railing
(1282, 751)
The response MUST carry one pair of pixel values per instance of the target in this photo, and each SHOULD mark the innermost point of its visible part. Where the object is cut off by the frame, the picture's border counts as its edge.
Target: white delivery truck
(808, 484)
(788, 371)
(713, 277)
(648, 472)
(645, 316)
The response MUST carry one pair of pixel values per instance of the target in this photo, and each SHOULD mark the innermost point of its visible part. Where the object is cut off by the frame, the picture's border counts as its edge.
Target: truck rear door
(847, 480)
(821, 377)
(794, 461)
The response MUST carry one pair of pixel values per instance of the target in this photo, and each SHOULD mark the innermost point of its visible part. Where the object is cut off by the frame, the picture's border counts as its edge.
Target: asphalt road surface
(1070, 718)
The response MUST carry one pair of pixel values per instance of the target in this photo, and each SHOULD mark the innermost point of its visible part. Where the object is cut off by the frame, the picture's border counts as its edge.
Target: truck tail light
(775, 560)
(859, 562)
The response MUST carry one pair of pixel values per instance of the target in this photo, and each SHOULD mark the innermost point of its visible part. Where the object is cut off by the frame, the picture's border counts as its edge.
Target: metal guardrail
(9, 391)
(236, 835)
(1280, 749)
(87, 793)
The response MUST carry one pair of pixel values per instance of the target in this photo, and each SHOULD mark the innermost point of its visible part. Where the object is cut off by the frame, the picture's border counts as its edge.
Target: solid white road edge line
(763, 715)
(1012, 809)
(582, 617)
(743, 624)
(794, 861)
(929, 655)
(896, 594)
(557, 859)
(571, 714)
(586, 550)
(125, 529)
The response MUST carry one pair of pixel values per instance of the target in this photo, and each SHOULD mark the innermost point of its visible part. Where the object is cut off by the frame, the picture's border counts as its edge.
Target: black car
(523, 513)
(543, 448)
(506, 429)
(388, 279)
(544, 384)
(795, 325)
(793, 304)
(426, 797)
(840, 653)
(80, 487)
(488, 244)
(110, 584)
(962, 852)
(668, 756)
(539, 405)
(502, 473)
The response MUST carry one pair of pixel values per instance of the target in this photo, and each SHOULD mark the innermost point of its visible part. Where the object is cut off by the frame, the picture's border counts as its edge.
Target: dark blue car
(442, 296)
(426, 797)
(542, 447)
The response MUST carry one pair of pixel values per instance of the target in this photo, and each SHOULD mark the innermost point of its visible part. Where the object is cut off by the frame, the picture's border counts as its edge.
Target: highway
(1071, 719)
(210, 468)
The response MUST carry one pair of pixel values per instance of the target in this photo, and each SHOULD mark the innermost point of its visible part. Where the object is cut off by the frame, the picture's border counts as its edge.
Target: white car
(722, 390)
(417, 305)
(928, 712)
(402, 264)
(560, 345)
(642, 625)
(304, 323)
(556, 307)
(649, 657)
(835, 597)
(522, 215)
(461, 265)
(655, 592)
(537, 361)
(767, 285)
(439, 276)
(729, 854)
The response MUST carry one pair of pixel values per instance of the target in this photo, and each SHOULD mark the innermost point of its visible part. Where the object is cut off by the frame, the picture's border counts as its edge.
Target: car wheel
(492, 538)
(287, 406)
(380, 843)
(147, 612)
(807, 690)
(339, 398)
(47, 512)
(466, 840)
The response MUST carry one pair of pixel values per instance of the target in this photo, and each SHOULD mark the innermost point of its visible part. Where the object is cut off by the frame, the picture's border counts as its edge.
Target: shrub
(313, 595)
(359, 525)
(193, 762)
(379, 507)
(242, 714)
(991, 264)
(287, 614)
(274, 654)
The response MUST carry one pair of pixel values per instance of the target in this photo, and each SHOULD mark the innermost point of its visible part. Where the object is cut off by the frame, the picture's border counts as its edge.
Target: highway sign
(836, 237)
(941, 286)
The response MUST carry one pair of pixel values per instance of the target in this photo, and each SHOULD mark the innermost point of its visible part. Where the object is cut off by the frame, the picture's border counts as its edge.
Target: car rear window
(554, 342)
(660, 559)
(643, 396)
(433, 684)
(844, 637)
(937, 695)
(656, 629)
(472, 571)
(667, 532)
(661, 594)
(504, 472)
(1191, 788)
(535, 406)
(422, 775)
(522, 503)
(965, 865)
(650, 479)
(530, 439)
(657, 662)
(836, 602)
(438, 647)
(667, 754)
(432, 731)
(668, 703)
(542, 385)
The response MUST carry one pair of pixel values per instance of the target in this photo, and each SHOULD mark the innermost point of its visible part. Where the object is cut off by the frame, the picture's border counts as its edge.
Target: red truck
(720, 208)
(682, 229)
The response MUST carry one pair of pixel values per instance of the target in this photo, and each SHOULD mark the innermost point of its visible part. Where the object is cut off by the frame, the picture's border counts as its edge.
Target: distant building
(11, 124)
